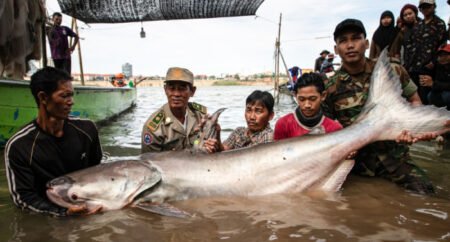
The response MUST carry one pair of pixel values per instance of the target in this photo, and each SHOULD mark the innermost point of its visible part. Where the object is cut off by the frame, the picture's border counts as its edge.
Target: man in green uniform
(175, 125)
(347, 93)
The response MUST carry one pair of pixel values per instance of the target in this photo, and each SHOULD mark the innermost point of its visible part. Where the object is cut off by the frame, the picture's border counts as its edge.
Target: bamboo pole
(275, 86)
(277, 61)
(80, 59)
(286, 67)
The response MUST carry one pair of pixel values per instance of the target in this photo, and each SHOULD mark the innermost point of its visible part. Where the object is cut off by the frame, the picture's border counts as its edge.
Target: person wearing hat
(428, 35)
(175, 125)
(387, 159)
(439, 80)
(327, 65)
(320, 59)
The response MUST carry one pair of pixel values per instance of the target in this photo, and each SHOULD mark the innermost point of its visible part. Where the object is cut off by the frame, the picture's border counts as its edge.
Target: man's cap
(431, 2)
(180, 74)
(445, 48)
(349, 24)
(324, 52)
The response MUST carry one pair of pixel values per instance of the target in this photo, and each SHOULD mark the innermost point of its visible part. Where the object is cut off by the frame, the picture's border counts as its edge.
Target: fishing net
(20, 35)
(119, 11)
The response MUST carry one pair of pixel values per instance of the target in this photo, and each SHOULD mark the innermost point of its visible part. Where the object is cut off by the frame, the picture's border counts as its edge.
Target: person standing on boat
(308, 117)
(175, 126)
(347, 92)
(59, 44)
(50, 146)
(320, 59)
(327, 65)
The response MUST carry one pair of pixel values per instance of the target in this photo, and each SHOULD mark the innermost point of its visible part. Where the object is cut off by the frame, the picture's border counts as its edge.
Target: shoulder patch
(147, 138)
(199, 107)
(156, 121)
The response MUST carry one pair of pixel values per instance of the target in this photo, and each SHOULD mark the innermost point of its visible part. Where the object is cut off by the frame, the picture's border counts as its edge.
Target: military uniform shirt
(346, 95)
(163, 132)
(345, 100)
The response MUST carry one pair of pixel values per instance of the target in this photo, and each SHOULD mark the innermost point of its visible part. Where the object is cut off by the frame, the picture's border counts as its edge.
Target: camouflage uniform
(346, 98)
(163, 132)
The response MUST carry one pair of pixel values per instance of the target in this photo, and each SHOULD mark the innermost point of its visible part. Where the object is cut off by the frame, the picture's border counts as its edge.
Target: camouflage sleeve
(442, 33)
(408, 86)
(328, 105)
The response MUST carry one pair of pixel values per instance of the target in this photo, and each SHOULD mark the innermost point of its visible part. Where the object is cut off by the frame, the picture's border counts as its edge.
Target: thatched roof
(119, 11)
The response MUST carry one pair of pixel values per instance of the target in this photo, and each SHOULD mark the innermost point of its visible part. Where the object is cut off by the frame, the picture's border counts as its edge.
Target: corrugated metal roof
(119, 11)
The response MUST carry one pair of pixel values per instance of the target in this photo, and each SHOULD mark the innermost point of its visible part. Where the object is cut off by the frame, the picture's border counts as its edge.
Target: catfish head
(107, 186)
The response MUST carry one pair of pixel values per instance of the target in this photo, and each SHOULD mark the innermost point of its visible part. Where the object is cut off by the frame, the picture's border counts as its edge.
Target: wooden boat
(17, 106)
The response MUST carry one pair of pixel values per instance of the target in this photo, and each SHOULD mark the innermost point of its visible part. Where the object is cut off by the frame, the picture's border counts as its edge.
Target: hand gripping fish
(308, 163)
(208, 130)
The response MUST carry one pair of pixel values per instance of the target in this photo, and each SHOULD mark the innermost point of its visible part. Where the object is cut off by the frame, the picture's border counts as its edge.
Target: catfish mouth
(59, 197)
(58, 191)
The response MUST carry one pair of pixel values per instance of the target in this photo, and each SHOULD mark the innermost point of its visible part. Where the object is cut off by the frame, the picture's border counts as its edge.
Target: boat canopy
(120, 11)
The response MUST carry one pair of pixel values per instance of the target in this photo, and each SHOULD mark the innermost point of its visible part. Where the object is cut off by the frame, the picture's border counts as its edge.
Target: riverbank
(198, 83)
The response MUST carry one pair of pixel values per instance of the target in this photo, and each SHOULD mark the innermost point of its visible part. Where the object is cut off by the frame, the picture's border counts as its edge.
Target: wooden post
(275, 84)
(286, 67)
(74, 21)
(44, 44)
(277, 62)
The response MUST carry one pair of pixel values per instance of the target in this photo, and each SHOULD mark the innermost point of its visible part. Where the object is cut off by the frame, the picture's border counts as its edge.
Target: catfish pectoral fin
(163, 209)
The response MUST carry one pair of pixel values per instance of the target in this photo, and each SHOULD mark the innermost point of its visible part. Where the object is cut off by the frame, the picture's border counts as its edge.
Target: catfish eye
(74, 196)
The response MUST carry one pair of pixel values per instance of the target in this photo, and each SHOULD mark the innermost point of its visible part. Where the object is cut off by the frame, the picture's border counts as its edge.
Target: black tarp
(120, 11)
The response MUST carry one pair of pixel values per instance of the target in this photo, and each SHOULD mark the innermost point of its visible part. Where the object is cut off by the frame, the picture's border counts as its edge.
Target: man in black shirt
(50, 146)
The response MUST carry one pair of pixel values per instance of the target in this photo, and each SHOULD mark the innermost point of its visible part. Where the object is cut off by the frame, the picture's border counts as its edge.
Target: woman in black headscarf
(384, 35)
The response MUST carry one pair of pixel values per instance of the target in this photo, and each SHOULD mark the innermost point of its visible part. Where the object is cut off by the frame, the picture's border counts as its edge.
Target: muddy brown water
(367, 209)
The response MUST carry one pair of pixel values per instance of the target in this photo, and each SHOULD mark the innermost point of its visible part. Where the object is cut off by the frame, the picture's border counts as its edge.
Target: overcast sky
(242, 45)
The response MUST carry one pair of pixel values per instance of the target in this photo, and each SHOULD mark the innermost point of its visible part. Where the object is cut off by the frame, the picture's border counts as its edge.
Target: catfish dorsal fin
(208, 130)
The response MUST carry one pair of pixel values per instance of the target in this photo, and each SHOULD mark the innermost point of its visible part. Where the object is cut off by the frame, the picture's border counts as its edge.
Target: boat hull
(17, 105)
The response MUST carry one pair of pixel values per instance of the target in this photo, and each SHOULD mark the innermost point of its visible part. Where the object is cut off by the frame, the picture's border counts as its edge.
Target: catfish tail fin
(386, 106)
